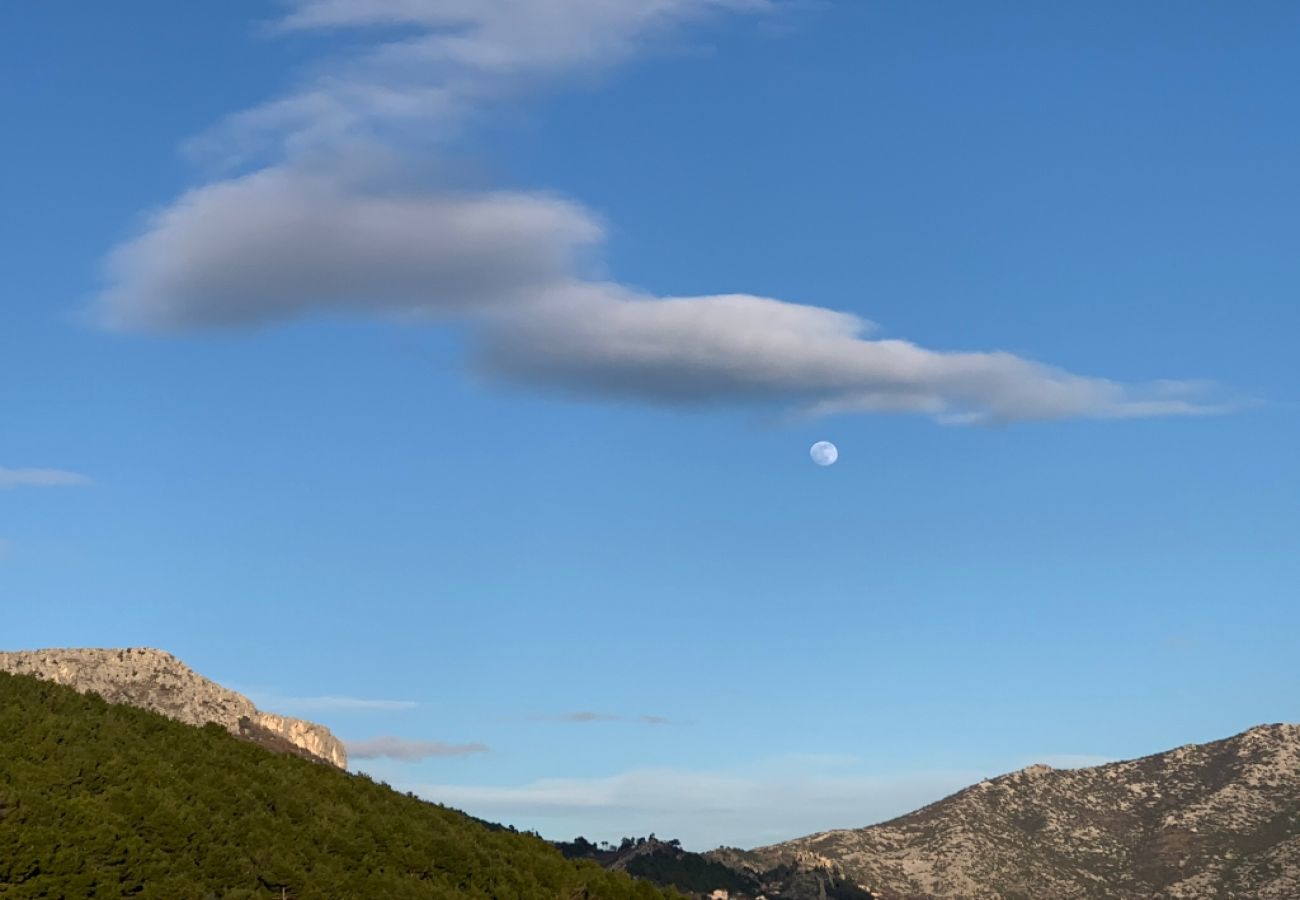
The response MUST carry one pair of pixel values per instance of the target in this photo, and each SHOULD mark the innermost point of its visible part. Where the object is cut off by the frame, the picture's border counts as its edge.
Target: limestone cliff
(158, 681)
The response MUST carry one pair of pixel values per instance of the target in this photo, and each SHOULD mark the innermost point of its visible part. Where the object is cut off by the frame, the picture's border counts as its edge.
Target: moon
(824, 453)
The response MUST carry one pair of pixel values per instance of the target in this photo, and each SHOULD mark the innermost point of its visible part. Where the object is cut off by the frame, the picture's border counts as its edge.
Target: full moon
(824, 453)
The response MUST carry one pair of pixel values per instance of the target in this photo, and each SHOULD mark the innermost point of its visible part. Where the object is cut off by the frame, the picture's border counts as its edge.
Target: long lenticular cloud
(330, 229)
(742, 349)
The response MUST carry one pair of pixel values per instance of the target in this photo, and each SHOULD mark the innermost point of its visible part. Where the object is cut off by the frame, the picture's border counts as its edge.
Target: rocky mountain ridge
(1217, 820)
(159, 682)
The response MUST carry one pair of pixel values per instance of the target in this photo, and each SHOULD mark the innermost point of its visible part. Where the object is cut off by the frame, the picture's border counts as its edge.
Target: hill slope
(1212, 820)
(157, 681)
(100, 800)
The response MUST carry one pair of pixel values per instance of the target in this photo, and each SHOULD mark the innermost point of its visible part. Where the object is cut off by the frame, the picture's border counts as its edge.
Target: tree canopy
(100, 800)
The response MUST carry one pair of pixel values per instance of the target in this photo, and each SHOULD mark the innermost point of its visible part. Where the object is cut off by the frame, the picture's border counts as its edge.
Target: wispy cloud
(334, 222)
(441, 62)
(746, 806)
(388, 747)
(332, 704)
(578, 717)
(585, 716)
(749, 804)
(16, 478)
(1074, 760)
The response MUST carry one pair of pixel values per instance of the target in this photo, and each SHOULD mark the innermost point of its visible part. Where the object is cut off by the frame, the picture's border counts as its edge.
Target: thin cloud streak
(1075, 760)
(335, 704)
(746, 806)
(586, 716)
(751, 804)
(447, 61)
(388, 747)
(37, 478)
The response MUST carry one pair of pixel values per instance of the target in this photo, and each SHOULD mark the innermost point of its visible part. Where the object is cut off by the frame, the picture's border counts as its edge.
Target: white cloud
(409, 751)
(16, 478)
(434, 62)
(586, 716)
(284, 242)
(571, 31)
(337, 231)
(768, 802)
(1074, 760)
(748, 805)
(580, 717)
(605, 339)
(332, 704)
(292, 241)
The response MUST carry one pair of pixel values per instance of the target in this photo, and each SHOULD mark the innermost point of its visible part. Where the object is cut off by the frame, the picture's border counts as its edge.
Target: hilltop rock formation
(713, 876)
(1215, 820)
(157, 681)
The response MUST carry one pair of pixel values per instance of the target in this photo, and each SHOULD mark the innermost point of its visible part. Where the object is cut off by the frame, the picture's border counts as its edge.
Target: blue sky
(338, 359)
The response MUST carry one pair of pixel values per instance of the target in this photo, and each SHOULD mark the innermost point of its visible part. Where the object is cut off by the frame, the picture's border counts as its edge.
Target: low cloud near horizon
(275, 702)
(388, 747)
(331, 222)
(749, 805)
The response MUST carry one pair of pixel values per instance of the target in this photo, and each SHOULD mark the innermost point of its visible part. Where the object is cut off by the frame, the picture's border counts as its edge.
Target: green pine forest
(100, 800)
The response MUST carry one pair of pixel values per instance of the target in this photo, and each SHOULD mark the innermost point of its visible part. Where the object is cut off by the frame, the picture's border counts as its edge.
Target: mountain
(158, 681)
(1218, 820)
(102, 794)
(108, 800)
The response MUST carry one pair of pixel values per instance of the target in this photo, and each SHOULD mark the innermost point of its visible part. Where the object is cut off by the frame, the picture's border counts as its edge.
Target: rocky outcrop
(161, 683)
(720, 875)
(1215, 820)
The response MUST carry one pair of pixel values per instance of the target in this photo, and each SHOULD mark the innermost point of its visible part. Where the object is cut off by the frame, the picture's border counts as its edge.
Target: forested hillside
(100, 800)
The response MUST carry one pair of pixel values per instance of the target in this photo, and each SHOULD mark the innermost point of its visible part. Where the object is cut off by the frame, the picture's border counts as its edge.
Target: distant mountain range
(1218, 820)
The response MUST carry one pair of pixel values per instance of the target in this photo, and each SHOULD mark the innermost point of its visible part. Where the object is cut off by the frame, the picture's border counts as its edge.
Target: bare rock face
(1217, 820)
(159, 682)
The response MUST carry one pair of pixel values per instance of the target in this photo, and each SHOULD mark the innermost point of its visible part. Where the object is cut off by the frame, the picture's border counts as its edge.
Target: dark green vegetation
(98, 800)
(666, 863)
